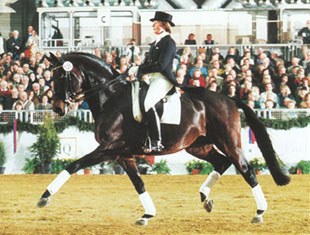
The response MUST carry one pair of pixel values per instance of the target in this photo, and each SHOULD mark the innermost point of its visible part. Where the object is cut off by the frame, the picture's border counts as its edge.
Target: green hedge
(85, 126)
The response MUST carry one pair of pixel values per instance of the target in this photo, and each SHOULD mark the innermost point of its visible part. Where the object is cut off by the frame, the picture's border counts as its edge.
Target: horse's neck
(112, 97)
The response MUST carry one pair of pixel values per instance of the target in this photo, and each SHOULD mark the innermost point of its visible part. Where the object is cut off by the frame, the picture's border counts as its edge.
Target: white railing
(37, 116)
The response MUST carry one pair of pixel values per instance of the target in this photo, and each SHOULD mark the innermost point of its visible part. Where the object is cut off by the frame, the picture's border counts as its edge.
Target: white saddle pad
(171, 109)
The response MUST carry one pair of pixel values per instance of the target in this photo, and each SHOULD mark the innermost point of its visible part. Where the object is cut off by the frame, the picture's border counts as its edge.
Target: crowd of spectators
(259, 78)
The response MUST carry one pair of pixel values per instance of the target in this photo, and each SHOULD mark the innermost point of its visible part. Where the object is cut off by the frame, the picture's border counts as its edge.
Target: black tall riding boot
(153, 125)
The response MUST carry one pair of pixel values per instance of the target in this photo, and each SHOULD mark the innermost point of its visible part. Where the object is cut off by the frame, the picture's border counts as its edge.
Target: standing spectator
(305, 33)
(27, 35)
(15, 44)
(191, 39)
(33, 44)
(2, 44)
(132, 51)
(209, 40)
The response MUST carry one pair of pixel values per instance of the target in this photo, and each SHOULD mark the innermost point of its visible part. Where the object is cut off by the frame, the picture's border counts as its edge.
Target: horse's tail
(264, 143)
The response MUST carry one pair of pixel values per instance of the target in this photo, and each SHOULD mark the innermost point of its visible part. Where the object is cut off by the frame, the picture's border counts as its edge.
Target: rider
(158, 67)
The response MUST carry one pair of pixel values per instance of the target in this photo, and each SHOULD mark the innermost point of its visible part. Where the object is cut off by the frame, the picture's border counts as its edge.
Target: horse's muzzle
(59, 111)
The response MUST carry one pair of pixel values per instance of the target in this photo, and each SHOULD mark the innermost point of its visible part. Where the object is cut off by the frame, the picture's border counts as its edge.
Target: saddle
(168, 109)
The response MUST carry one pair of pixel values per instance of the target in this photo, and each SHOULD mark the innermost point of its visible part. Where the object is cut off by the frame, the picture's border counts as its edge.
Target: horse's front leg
(130, 166)
(91, 159)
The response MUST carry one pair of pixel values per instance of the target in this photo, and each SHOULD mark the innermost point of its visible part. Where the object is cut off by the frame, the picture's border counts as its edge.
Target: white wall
(292, 146)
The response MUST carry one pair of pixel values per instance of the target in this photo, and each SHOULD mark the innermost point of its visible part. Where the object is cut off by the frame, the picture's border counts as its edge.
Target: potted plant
(2, 157)
(198, 167)
(46, 146)
(258, 164)
(302, 167)
(32, 166)
(60, 164)
(161, 167)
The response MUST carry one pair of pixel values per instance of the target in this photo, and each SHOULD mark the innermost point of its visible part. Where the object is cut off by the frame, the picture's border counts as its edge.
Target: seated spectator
(209, 40)
(12, 99)
(49, 93)
(198, 65)
(98, 52)
(47, 75)
(26, 69)
(36, 94)
(253, 97)
(247, 58)
(301, 93)
(197, 79)
(191, 39)
(291, 105)
(18, 106)
(213, 86)
(26, 103)
(26, 83)
(213, 73)
(269, 104)
(233, 53)
(5, 95)
(245, 89)
(294, 62)
(180, 77)
(285, 93)
(268, 94)
(232, 91)
(44, 104)
(305, 103)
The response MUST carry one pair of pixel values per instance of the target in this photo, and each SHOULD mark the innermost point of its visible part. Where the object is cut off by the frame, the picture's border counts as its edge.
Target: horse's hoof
(142, 221)
(208, 205)
(257, 220)
(43, 202)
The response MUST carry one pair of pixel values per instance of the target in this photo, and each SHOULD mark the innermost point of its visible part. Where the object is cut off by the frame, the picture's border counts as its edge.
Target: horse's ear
(53, 59)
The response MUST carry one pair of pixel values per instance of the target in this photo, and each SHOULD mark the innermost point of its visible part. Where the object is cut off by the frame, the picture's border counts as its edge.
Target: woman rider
(158, 66)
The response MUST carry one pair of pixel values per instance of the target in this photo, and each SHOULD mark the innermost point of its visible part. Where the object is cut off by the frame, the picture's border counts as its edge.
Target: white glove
(133, 70)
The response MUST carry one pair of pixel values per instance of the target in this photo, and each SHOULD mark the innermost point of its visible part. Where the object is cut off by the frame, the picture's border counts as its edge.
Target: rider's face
(157, 27)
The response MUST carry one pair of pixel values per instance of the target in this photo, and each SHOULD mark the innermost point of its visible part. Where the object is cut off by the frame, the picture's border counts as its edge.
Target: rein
(81, 95)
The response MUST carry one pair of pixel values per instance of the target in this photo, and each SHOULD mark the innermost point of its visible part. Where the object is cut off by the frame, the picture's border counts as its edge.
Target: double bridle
(72, 96)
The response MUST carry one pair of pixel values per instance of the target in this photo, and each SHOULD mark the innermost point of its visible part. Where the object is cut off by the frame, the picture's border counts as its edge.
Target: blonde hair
(166, 26)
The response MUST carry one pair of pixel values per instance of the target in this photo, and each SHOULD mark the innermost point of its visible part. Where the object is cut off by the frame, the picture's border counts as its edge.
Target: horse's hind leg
(220, 163)
(130, 166)
(248, 174)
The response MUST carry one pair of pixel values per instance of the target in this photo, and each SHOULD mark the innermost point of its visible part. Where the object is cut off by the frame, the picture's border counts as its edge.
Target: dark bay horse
(209, 130)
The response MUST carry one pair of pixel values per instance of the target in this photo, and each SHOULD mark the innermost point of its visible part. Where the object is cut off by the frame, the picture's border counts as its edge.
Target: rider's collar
(160, 36)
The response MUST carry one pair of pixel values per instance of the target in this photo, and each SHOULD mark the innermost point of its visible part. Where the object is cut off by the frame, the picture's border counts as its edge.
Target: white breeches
(159, 87)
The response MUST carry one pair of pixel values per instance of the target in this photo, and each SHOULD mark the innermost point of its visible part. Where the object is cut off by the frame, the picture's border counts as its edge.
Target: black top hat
(163, 16)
